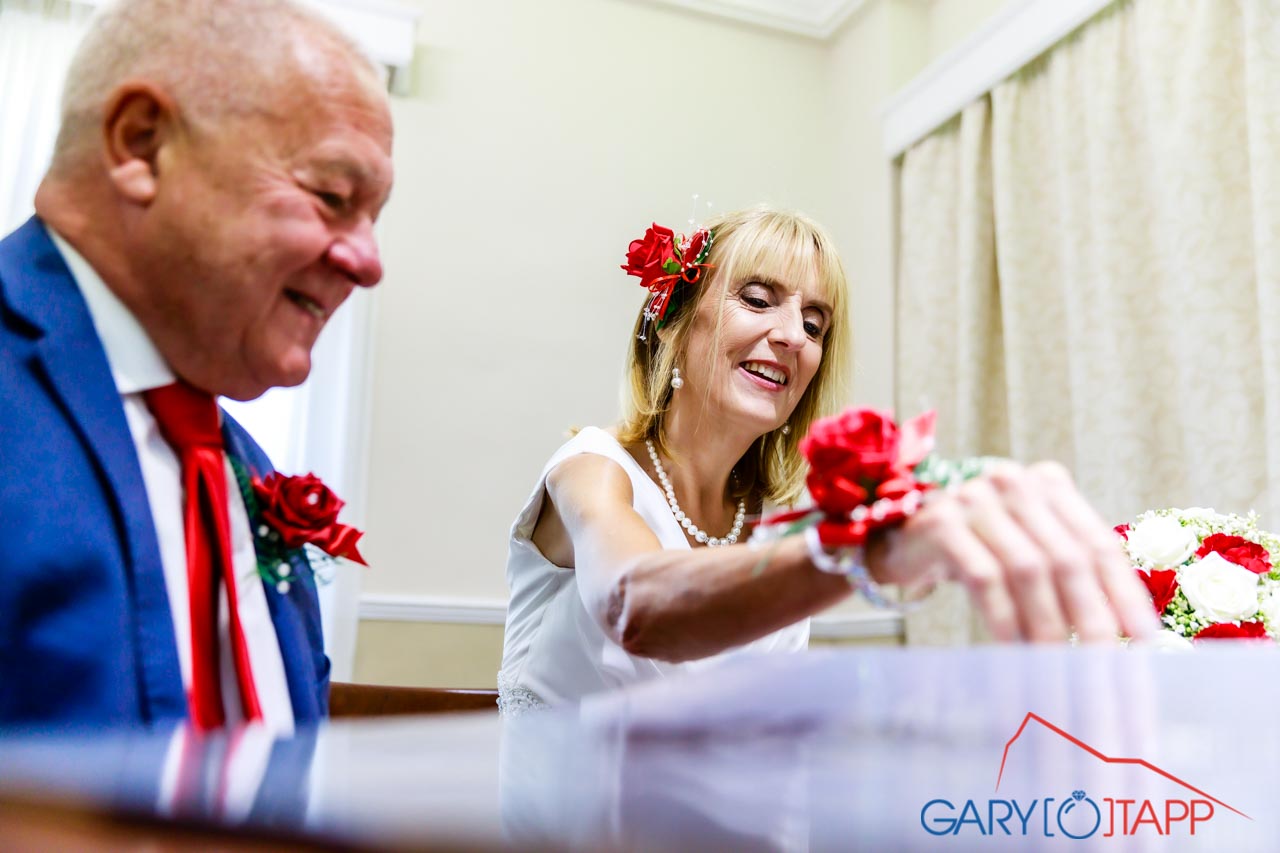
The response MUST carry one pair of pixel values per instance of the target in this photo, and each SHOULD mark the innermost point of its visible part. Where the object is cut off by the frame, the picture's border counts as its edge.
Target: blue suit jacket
(86, 635)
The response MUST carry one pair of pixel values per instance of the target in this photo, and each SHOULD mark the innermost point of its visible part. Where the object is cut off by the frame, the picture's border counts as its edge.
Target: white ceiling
(813, 18)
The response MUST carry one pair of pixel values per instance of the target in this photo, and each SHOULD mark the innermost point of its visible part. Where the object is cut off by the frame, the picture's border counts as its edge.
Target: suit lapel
(70, 360)
(296, 614)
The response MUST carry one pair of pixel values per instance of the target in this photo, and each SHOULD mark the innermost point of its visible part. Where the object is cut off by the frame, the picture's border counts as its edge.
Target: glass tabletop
(886, 749)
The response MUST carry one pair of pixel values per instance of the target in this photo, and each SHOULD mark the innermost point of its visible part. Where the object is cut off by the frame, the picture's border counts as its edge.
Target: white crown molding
(493, 611)
(1017, 34)
(816, 19)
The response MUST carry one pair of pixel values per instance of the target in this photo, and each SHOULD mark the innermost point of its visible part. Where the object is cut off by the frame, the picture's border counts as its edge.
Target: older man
(210, 204)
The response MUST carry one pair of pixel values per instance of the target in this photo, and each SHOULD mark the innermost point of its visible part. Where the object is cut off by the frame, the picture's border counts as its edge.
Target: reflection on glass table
(887, 749)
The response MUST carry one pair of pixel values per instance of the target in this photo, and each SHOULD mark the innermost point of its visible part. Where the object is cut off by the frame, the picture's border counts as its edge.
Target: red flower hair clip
(661, 260)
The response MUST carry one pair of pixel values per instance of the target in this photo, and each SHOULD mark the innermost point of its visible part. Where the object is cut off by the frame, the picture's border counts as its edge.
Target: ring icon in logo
(1073, 816)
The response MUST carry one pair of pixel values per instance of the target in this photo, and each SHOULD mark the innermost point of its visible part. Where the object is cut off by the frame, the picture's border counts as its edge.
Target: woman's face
(770, 346)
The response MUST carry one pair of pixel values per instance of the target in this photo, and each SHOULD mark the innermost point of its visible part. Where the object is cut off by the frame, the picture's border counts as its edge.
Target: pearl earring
(786, 429)
(676, 382)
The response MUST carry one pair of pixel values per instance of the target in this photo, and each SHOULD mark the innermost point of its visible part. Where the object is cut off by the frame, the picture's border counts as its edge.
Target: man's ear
(140, 121)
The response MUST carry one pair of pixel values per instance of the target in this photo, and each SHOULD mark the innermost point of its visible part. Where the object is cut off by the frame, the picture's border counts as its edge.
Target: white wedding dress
(554, 650)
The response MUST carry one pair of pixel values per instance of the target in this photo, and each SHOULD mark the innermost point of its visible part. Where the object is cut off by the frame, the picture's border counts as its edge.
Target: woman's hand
(1036, 559)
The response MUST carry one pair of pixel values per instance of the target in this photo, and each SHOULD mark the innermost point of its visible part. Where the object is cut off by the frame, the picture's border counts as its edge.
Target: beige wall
(541, 138)
(861, 66)
(949, 22)
(875, 54)
(425, 654)
(538, 140)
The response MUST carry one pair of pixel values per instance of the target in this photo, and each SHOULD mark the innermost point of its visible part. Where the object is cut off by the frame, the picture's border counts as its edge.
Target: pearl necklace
(685, 522)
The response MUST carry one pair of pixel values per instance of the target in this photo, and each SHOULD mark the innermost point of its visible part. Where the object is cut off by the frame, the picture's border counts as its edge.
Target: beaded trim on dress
(514, 700)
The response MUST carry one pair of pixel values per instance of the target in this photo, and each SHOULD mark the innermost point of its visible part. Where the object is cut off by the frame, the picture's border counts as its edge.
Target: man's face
(261, 227)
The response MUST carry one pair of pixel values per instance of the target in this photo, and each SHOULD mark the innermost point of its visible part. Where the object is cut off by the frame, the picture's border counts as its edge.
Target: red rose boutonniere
(304, 511)
(290, 516)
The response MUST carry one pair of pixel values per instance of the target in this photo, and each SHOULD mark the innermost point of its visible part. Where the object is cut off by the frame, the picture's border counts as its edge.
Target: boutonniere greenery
(291, 517)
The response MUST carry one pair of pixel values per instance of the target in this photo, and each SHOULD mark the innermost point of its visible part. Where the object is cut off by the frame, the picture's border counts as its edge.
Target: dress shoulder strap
(596, 441)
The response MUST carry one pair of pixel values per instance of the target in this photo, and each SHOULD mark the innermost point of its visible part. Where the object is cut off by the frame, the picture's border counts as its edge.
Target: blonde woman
(628, 562)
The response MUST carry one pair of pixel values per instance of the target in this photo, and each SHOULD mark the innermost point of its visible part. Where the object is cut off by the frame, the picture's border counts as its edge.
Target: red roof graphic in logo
(1106, 758)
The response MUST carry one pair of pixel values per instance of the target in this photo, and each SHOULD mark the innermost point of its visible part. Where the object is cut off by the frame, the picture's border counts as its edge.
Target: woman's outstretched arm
(673, 605)
(1036, 560)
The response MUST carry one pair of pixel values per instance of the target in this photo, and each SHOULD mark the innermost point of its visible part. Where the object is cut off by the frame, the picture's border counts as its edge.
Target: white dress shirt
(137, 366)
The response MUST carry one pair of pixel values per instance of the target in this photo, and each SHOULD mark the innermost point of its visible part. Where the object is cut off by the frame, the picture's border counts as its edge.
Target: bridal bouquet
(1210, 575)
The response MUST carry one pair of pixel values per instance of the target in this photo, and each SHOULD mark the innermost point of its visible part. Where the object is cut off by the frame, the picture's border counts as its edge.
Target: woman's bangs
(790, 255)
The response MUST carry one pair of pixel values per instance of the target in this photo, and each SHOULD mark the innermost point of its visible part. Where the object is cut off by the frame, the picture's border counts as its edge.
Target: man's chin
(246, 388)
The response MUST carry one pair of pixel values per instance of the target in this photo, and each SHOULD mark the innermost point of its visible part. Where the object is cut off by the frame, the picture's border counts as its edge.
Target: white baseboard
(876, 625)
(427, 608)
(493, 611)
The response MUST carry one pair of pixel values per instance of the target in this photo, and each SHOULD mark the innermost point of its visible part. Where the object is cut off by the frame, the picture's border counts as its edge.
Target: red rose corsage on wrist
(862, 478)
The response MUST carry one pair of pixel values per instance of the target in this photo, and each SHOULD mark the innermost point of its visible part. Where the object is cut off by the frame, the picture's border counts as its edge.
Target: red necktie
(188, 420)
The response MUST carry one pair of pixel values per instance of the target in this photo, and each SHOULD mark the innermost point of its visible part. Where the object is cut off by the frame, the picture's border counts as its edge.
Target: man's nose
(355, 254)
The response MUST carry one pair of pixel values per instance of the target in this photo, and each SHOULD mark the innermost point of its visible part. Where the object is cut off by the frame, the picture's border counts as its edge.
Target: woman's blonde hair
(757, 242)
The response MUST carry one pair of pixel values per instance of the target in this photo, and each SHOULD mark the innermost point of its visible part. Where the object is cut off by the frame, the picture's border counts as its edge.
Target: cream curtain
(1089, 262)
(951, 346)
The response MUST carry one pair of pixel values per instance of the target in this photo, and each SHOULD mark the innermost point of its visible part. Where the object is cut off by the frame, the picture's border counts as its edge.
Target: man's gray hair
(214, 57)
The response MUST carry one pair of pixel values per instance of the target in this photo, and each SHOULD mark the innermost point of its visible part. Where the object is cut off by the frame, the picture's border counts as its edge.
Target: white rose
(1162, 542)
(1219, 590)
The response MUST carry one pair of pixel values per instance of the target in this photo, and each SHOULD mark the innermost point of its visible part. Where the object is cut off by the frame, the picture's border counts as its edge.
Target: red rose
(1227, 631)
(849, 455)
(1238, 550)
(898, 485)
(297, 507)
(1162, 585)
(645, 257)
(303, 510)
(696, 242)
(1122, 530)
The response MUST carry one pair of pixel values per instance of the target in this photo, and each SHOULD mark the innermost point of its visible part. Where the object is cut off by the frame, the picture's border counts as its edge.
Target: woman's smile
(768, 375)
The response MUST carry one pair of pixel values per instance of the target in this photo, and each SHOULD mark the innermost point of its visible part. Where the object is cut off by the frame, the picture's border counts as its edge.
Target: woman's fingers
(940, 538)
(1036, 559)
(1128, 599)
(1031, 496)
(1028, 564)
